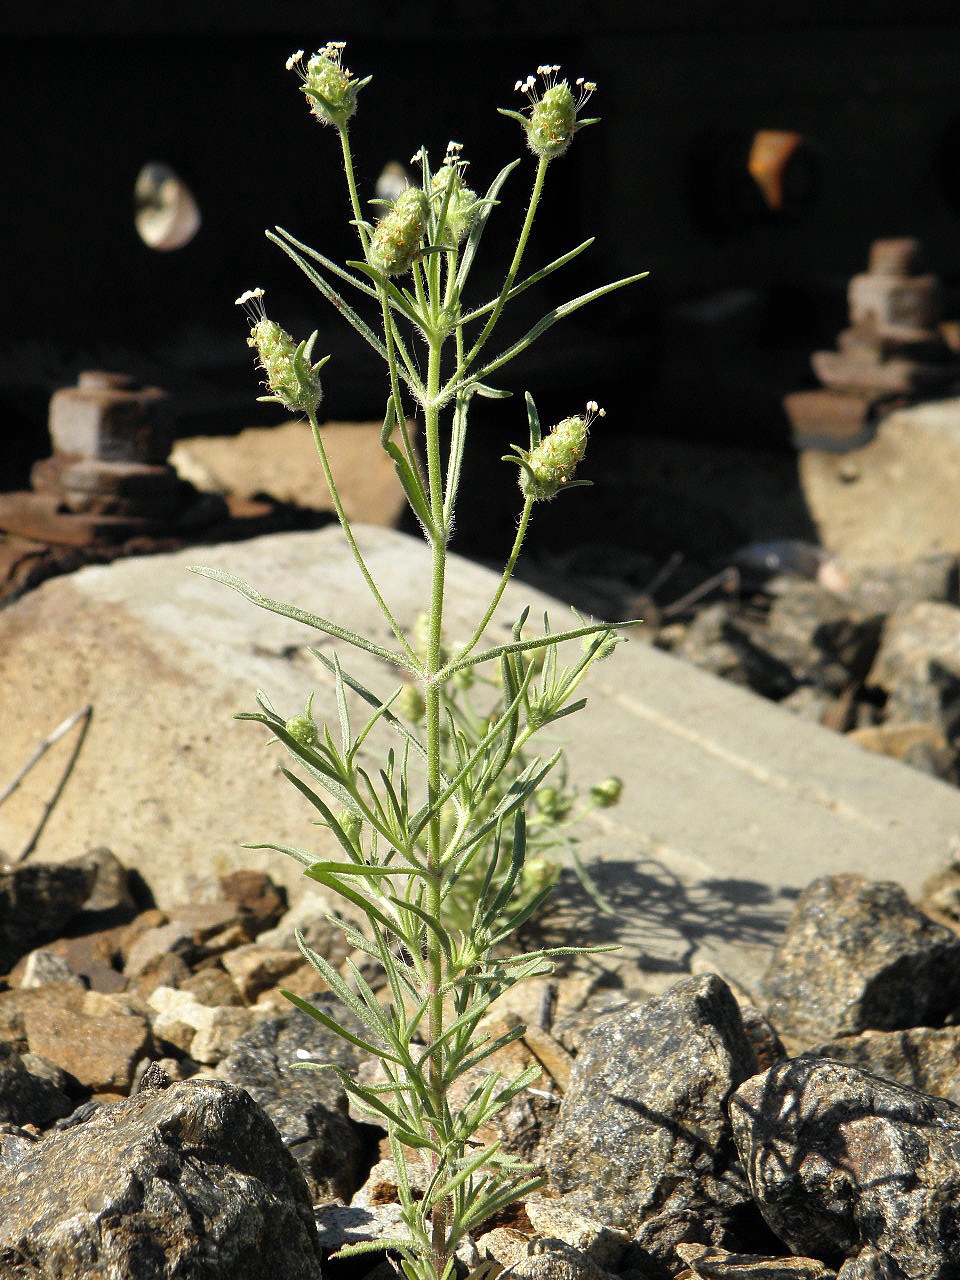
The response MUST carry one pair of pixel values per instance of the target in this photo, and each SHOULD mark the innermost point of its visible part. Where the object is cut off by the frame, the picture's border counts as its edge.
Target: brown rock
(255, 968)
(706, 1263)
(164, 971)
(153, 945)
(831, 420)
(839, 1160)
(109, 416)
(36, 901)
(922, 1058)
(262, 902)
(212, 986)
(101, 1052)
(188, 1180)
(282, 461)
(896, 740)
(151, 918)
(896, 376)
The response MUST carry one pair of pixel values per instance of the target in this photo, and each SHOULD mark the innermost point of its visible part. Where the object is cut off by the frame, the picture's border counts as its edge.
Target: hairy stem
(434, 771)
(352, 542)
(502, 584)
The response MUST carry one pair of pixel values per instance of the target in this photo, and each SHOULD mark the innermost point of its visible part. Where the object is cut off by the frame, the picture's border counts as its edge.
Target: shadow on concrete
(660, 920)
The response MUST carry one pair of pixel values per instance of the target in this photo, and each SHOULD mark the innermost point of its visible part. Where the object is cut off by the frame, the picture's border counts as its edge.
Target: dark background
(737, 298)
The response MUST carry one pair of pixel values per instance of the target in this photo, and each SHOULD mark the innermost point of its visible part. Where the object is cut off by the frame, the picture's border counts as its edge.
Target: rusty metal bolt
(111, 417)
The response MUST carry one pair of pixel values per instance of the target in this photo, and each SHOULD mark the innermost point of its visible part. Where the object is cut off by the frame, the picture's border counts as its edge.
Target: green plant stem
(502, 585)
(352, 186)
(434, 772)
(351, 540)
(488, 328)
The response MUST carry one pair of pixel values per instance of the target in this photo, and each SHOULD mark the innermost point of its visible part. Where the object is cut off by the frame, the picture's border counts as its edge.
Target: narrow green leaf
(342, 711)
(550, 319)
(473, 240)
(412, 487)
(517, 859)
(368, 907)
(308, 619)
(331, 1024)
(327, 263)
(303, 856)
(398, 299)
(535, 278)
(529, 646)
(381, 709)
(435, 926)
(326, 813)
(485, 1050)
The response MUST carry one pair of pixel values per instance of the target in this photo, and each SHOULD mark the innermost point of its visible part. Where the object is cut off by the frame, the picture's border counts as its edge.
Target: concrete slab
(894, 499)
(730, 807)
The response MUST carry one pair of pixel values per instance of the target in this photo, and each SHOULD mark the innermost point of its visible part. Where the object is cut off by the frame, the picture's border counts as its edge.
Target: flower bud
(349, 824)
(292, 379)
(461, 204)
(553, 115)
(410, 703)
(395, 244)
(550, 465)
(303, 728)
(552, 803)
(329, 86)
(601, 648)
(607, 793)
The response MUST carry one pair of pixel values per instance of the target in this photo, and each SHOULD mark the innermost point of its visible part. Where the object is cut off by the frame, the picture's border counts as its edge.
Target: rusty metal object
(111, 417)
(892, 353)
(775, 156)
(108, 479)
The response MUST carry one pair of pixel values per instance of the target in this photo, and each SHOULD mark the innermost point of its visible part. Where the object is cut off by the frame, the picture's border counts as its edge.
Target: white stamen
(251, 295)
(294, 59)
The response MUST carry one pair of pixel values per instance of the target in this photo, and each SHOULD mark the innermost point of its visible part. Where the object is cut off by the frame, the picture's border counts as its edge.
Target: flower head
(330, 87)
(303, 728)
(455, 202)
(550, 464)
(396, 240)
(290, 377)
(552, 117)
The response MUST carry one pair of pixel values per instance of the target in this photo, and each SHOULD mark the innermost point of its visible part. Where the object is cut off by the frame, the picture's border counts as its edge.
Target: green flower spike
(553, 116)
(395, 244)
(549, 464)
(328, 85)
(291, 378)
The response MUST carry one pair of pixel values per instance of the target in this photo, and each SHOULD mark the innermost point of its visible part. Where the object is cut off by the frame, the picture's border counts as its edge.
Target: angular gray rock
(553, 1260)
(308, 1107)
(717, 642)
(839, 1160)
(922, 1058)
(918, 665)
(185, 1183)
(36, 901)
(870, 1265)
(643, 1130)
(882, 588)
(821, 638)
(26, 1098)
(858, 954)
